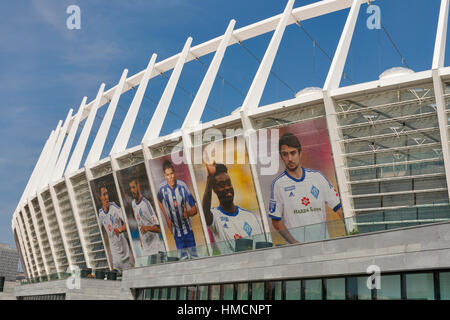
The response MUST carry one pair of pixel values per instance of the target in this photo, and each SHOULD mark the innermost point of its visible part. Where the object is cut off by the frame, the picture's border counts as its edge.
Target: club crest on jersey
(272, 206)
(290, 188)
(305, 201)
(315, 191)
(247, 228)
(225, 226)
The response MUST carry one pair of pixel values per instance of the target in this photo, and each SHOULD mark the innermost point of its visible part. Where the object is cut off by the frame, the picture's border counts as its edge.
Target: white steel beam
(441, 36)
(157, 121)
(102, 133)
(50, 169)
(26, 258)
(340, 57)
(127, 126)
(78, 152)
(256, 90)
(64, 155)
(32, 240)
(19, 245)
(201, 98)
(31, 257)
(38, 236)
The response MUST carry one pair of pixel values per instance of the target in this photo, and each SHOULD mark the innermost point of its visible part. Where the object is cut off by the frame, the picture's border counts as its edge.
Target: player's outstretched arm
(153, 228)
(279, 225)
(169, 223)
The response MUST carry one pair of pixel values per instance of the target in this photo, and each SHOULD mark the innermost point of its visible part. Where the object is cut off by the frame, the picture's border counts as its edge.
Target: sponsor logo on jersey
(247, 228)
(291, 195)
(315, 191)
(290, 188)
(305, 201)
(224, 219)
(272, 206)
(307, 210)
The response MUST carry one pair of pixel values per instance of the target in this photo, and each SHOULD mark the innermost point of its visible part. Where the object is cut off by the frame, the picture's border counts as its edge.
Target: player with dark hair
(178, 205)
(298, 195)
(147, 221)
(228, 221)
(110, 217)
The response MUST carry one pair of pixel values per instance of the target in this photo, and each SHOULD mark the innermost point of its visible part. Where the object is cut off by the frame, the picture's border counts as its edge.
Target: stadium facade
(381, 146)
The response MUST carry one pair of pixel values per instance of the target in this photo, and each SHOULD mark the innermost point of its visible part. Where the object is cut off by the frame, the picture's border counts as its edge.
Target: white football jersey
(110, 220)
(230, 226)
(301, 202)
(145, 216)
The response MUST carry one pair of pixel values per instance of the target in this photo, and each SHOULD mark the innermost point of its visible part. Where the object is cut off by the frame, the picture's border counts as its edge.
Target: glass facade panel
(191, 293)
(202, 292)
(242, 291)
(419, 286)
(147, 294)
(390, 288)
(155, 293)
(444, 283)
(313, 289)
(173, 293)
(228, 292)
(182, 291)
(163, 294)
(214, 292)
(293, 290)
(274, 290)
(257, 290)
(335, 289)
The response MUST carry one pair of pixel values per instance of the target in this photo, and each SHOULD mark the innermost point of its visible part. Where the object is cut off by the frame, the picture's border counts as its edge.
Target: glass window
(203, 292)
(214, 292)
(242, 291)
(444, 282)
(155, 295)
(172, 294)
(228, 292)
(293, 290)
(335, 289)
(139, 294)
(258, 291)
(390, 287)
(163, 294)
(148, 293)
(313, 289)
(419, 286)
(274, 290)
(192, 293)
(182, 293)
(357, 289)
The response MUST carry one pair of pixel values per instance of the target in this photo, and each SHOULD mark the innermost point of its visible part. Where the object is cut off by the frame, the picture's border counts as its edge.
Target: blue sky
(47, 69)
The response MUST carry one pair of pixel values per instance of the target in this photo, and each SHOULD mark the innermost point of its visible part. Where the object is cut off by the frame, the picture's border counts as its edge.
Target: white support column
(63, 157)
(33, 241)
(256, 90)
(38, 236)
(441, 36)
(102, 133)
(25, 255)
(59, 219)
(37, 167)
(201, 98)
(42, 169)
(30, 254)
(49, 235)
(157, 121)
(332, 82)
(24, 260)
(127, 126)
(340, 57)
(187, 148)
(76, 215)
(78, 152)
(52, 161)
(248, 131)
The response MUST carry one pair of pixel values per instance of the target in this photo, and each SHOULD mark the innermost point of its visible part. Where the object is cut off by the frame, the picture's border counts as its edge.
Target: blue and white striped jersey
(173, 201)
(300, 202)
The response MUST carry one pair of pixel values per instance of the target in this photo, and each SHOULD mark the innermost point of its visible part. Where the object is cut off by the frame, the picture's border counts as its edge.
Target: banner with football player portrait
(112, 223)
(301, 199)
(178, 205)
(227, 192)
(140, 210)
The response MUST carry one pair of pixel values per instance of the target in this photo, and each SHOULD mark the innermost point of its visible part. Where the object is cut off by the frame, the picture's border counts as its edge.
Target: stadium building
(363, 213)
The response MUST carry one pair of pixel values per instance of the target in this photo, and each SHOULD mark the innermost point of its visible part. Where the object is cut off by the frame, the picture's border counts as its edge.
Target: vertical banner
(301, 198)
(227, 192)
(112, 223)
(179, 208)
(139, 206)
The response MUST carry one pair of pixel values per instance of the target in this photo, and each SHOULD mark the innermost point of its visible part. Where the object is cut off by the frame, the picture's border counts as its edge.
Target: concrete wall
(8, 290)
(414, 248)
